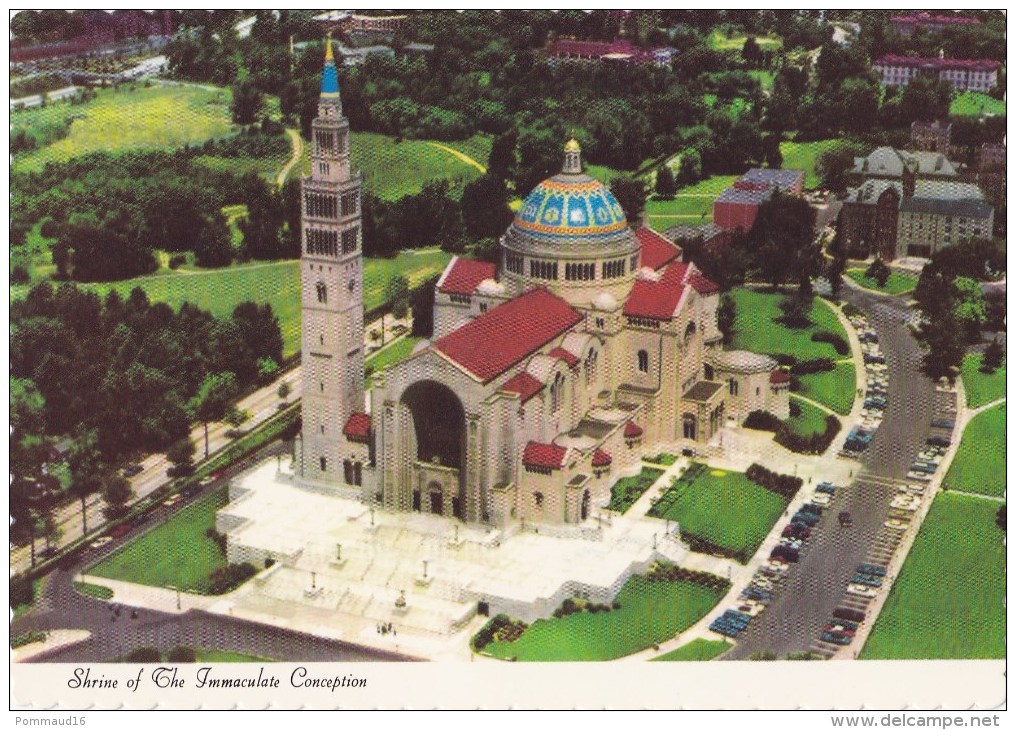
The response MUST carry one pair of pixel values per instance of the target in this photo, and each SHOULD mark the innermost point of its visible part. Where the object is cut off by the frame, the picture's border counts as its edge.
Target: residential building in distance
(979, 74)
(991, 157)
(738, 205)
(620, 49)
(931, 136)
(907, 25)
(910, 204)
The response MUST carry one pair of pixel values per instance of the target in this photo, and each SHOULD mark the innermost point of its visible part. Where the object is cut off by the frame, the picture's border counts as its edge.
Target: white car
(860, 590)
(173, 500)
(101, 542)
(918, 476)
(778, 566)
(895, 524)
(821, 499)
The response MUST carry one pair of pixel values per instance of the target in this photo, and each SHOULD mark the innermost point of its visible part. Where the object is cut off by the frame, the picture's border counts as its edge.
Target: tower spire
(329, 77)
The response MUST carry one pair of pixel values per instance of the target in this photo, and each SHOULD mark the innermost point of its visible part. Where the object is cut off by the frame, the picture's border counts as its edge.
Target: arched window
(358, 473)
(732, 385)
(347, 471)
(643, 361)
(324, 464)
(709, 372)
(556, 393)
(322, 292)
(689, 332)
(690, 424)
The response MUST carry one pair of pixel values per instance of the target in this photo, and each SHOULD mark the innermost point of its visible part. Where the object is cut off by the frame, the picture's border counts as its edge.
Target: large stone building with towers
(549, 374)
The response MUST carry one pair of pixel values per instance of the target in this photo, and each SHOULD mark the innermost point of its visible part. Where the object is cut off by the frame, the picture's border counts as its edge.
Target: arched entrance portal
(436, 448)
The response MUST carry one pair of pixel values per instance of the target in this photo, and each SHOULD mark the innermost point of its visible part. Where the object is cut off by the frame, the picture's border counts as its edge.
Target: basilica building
(549, 375)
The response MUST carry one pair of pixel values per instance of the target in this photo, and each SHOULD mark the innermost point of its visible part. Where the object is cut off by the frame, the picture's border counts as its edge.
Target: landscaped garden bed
(627, 490)
(653, 608)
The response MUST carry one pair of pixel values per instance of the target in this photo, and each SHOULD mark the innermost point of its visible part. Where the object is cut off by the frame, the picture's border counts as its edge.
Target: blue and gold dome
(570, 205)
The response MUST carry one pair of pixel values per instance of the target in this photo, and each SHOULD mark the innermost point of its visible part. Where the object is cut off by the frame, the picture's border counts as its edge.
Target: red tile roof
(524, 384)
(548, 456)
(464, 275)
(779, 376)
(631, 431)
(658, 299)
(562, 354)
(601, 458)
(703, 285)
(494, 342)
(357, 428)
(657, 251)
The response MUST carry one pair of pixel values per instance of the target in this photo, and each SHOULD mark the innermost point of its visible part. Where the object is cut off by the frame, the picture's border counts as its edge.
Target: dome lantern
(572, 158)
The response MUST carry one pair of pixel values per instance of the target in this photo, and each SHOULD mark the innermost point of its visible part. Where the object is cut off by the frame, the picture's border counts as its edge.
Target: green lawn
(391, 354)
(699, 650)
(718, 41)
(949, 599)
(682, 210)
(176, 553)
(981, 388)
(897, 283)
(217, 656)
(603, 173)
(663, 459)
(393, 170)
(802, 156)
(275, 283)
(765, 78)
(163, 117)
(979, 465)
(626, 491)
(832, 388)
(725, 508)
(757, 330)
(811, 421)
(651, 611)
(974, 104)
(93, 590)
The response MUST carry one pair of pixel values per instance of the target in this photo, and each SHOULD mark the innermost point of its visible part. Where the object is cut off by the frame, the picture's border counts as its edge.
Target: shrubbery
(671, 572)
(781, 484)
(223, 580)
(841, 345)
(500, 628)
(816, 365)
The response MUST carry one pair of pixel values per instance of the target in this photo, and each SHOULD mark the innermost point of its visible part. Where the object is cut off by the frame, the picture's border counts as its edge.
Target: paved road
(814, 587)
(116, 634)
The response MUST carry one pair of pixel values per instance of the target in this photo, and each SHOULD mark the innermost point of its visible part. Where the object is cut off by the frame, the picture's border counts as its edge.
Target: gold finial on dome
(572, 157)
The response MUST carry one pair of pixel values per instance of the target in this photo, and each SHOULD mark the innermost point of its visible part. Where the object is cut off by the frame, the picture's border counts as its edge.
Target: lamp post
(371, 516)
(425, 568)
(313, 580)
(338, 551)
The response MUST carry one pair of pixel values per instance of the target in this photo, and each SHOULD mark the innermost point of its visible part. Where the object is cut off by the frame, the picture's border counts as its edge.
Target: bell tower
(331, 269)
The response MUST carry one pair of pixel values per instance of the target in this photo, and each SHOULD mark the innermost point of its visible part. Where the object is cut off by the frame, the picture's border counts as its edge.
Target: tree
(116, 493)
(726, 316)
(181, 655)
(666, 186)
(501, 161)
(284, 390)
(213, 398)
(783, 239)
(1000, 517)
(970, 309)
(878, 272)
(751, 52)
(833, 163)
(993, 356)
(214, 248)
(397, 295)
(485, 210)
(771, 151)
(995, 306)
(422, 300)
(181, 456)
(268, 369)
(247, 102)
(631, 194)
(86, 466)
(690, 171)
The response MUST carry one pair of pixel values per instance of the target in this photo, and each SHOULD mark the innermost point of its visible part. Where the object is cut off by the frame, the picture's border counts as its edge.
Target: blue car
(815, 509)
(808, 517)
(870, 569)
(867, 580)
(835, 637)
(826, 488)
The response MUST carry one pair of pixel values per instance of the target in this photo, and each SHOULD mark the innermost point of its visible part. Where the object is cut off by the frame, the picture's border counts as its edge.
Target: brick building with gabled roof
(547, 374)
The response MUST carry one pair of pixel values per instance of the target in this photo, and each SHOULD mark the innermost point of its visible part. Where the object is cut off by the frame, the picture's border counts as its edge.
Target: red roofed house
(523, 405)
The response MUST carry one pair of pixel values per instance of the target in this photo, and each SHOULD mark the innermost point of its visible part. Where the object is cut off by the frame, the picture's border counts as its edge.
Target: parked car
(133, 470)
(101, 542)
(826, 488)
(857, 589)
(835, 637)
(235, 433)
(867, 580)
(871, 569)
(850, 614)
(173, 500)
(895, 524)
(846, 520)
(822, 500)
(120, 530)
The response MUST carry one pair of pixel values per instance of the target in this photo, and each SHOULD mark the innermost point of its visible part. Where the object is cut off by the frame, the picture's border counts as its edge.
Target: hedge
(781, 484)
(841, 345)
